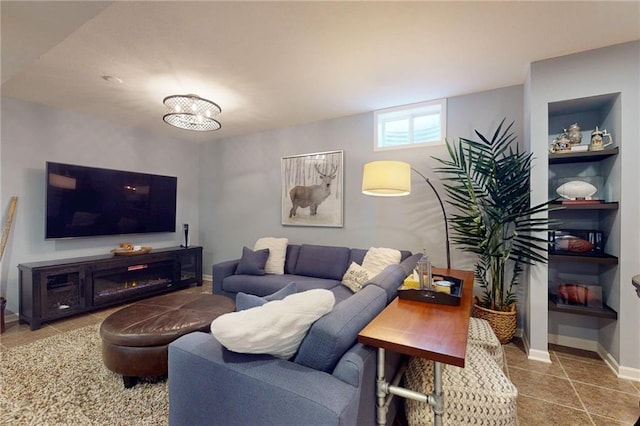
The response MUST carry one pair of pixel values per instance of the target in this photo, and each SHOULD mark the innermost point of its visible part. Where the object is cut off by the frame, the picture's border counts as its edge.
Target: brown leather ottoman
(135, 339)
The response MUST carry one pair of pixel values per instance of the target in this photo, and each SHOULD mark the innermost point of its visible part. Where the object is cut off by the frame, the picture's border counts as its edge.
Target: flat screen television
(88, 201)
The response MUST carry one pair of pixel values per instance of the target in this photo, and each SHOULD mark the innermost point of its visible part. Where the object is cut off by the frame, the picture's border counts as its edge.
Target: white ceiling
(279, 64)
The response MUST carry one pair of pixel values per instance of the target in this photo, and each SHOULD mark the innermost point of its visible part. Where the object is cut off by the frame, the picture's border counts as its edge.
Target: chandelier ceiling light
(191, 112)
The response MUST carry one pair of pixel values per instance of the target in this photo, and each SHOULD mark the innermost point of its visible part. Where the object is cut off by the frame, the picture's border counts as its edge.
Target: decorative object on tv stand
(129, 249)
(191, 112)
(488, 184)
(597, 139)
(393, 179)
(185, 227)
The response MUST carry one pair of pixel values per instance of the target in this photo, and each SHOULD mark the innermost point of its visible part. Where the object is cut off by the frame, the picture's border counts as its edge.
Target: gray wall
(228, 190)
(240, 183)
(33, 134)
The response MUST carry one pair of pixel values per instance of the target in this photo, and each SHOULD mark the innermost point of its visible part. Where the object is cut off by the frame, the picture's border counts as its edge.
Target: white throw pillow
(277, 253)
(378, 258)
(276, 328)
(355, 277)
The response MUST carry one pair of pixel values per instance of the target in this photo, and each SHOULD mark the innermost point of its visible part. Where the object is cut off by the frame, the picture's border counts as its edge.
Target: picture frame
(312, 189)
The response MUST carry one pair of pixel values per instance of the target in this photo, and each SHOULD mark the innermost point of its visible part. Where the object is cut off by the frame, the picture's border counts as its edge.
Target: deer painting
(312, 196)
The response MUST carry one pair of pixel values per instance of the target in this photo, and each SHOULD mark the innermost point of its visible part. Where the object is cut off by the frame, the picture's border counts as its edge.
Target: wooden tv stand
(55, 289)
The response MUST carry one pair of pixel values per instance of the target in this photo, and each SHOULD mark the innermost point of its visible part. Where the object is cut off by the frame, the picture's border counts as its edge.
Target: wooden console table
(427, 330)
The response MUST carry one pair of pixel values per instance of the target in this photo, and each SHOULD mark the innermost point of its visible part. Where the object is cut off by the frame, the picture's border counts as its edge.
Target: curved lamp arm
(444, 215)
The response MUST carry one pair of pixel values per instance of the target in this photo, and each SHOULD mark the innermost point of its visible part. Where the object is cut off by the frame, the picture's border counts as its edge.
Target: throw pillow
(277, 253)
(355, 277)
(252, 262)
(248, 301)
(275, 328)
(378, 258)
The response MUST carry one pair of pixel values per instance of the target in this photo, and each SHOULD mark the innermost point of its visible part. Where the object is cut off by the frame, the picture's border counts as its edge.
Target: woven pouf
(481, 334)
(479, 394)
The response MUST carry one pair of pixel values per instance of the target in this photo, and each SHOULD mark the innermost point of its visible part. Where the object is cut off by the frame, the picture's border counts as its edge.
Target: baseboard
(207, 277)
(629, 373)
(10, 318)
(620, 371)
(534, 354)
(541, 356)
(590, 345)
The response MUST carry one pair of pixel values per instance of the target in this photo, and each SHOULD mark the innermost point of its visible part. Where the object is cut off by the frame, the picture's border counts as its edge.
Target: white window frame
(410, 111)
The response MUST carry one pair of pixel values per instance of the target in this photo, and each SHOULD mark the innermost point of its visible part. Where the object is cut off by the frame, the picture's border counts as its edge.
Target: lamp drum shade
(386, 178)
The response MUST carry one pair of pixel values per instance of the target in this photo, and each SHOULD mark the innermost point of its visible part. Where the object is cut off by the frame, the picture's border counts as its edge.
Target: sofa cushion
(275, 328)
(390, 279)
(378, 258)
(341, 293)
(355, 277)
(333, 334)
(252, 262)
(277, 253)
(322, 261)
(248, 301)
(292, 258)
(267, 284)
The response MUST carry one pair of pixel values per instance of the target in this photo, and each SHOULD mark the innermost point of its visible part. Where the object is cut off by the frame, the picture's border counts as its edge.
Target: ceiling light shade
(191, 112)
(386, 178)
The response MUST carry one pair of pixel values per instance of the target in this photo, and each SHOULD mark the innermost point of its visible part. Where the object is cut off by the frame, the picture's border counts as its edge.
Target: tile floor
(577, 388)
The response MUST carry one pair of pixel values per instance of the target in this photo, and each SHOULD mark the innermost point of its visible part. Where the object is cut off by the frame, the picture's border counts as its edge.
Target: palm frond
(488, 184)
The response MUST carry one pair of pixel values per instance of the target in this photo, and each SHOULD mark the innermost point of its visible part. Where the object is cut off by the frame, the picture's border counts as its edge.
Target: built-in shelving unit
(610, 205)
(601, 259)
(605, 312)
(582, 157)
(597, 270)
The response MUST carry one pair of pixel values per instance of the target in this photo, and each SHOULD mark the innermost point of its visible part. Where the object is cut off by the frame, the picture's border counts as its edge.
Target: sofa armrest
(220, 271)
(210, 385)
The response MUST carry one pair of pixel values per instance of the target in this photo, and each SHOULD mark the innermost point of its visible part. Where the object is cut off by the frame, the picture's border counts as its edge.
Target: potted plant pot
(503, 323)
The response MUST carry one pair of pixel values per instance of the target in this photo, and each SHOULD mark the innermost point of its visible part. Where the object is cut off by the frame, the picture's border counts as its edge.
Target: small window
(410, 126)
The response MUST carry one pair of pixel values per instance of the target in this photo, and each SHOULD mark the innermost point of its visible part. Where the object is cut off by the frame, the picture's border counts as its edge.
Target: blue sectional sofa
(329, 381)
(309, 266)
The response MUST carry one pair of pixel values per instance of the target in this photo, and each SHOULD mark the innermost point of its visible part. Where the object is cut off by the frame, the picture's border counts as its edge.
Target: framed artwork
(312, 189)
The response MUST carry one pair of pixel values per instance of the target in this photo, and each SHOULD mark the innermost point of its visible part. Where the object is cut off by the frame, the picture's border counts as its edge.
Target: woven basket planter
(502, 323)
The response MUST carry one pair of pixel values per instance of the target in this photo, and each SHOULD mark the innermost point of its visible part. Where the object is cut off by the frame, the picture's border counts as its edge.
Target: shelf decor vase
(503, 323)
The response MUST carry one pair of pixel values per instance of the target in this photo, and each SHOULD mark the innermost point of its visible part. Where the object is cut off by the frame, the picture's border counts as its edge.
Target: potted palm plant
(488, 184)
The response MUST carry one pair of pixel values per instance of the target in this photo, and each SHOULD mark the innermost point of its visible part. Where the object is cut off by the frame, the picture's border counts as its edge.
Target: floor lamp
(393, 179)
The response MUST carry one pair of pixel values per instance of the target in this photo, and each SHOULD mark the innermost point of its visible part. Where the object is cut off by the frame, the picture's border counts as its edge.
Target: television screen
(88, 201)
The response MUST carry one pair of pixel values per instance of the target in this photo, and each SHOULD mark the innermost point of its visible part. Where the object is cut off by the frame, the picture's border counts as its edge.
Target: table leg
(381, 389)
(385, 389)
(438, 398)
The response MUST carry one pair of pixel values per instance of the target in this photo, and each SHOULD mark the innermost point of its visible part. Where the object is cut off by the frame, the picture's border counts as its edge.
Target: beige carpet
(61, 380)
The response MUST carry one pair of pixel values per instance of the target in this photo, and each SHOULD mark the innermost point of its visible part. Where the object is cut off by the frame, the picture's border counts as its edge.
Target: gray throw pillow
(247, 301)
(252, 262)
